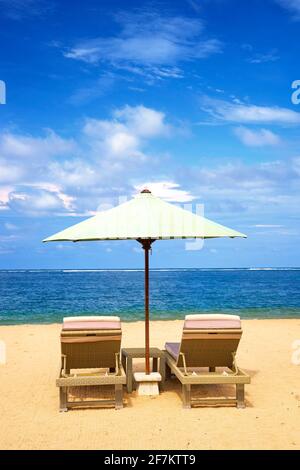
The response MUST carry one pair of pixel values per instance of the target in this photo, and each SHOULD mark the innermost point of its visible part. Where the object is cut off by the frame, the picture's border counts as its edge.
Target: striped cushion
(212, 321)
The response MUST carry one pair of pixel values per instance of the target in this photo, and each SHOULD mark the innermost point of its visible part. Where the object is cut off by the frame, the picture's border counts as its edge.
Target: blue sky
(192, 98)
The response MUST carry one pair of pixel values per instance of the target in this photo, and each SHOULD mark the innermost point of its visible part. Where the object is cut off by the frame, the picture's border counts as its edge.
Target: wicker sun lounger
(211, 342)
(90, 356)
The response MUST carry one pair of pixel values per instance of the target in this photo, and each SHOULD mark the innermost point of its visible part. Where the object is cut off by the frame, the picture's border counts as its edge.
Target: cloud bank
(148, 44)
(239, 112)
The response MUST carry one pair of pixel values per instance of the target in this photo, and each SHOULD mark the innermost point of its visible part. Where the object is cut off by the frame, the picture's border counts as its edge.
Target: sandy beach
(29, 397)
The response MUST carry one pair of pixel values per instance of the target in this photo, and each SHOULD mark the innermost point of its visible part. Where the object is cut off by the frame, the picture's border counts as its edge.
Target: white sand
(29, 397)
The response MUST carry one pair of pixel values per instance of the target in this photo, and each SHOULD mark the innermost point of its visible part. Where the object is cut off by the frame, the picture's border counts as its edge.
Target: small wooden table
(128, 354)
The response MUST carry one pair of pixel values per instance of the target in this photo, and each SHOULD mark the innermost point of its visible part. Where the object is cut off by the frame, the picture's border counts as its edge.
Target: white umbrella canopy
(145, 218)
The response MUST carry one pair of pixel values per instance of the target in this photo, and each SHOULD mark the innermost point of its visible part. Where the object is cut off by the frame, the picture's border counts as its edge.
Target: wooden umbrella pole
(147, 334)
(146, 244)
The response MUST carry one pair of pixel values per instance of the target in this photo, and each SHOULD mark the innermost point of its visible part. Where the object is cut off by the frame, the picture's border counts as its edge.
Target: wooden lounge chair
(89, 343)
(211, 342)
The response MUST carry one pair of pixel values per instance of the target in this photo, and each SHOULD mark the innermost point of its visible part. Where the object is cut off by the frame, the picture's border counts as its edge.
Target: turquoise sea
(46, 296)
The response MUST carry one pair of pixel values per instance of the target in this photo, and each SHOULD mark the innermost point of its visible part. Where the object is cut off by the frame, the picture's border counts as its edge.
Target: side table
(128, 354)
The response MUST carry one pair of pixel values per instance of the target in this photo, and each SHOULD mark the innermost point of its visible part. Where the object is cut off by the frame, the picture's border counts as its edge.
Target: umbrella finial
(145, 191)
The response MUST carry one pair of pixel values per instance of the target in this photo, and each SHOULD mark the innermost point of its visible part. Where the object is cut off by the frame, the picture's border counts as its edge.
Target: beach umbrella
(145, 218)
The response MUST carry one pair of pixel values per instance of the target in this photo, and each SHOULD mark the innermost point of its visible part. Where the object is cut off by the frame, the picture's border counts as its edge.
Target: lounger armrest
(63, 365)
(235, 367)
(118, 364)
(184, 363)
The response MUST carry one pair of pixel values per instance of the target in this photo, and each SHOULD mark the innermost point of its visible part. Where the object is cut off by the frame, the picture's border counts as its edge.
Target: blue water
(47, 296)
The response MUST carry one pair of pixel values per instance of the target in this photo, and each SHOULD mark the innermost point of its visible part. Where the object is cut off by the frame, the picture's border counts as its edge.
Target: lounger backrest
(91, 342)
(210, 340)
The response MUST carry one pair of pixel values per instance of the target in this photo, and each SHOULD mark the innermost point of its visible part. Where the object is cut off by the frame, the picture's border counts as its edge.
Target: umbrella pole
(147, 334)
(146, 244)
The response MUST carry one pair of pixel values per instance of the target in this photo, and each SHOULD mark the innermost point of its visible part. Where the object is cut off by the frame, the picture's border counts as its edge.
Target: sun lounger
(211, 342)
(90, 356)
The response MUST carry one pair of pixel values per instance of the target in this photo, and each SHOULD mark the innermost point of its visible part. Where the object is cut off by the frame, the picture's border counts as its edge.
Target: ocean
(46, 296)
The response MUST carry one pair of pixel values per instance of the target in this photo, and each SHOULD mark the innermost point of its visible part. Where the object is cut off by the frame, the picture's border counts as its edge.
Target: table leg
(123, 360)
(162, 370)
(118, 396)
(129, 374)
(186, 395)
(63, 399)
(168, 373)
(240, 395)
(154, 364)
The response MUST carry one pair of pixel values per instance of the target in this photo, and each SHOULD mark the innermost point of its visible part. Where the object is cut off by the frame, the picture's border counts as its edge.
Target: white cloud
(8, 238)
(150, 41)
(269, 187)
(50, 174)
(9, 172)
(125, 134)
(34, 201)
(195, 5)
(268, 226)
(100, 171)
(19, 145)
(292, 5)
(112, 138)
(144, 122)
(257, 138)
(10, 226)
(3, 251)
(246, 113)
(4, 195)
(75, 173)
(94, 89)
(259, 58)
(24, 158)
(167, 190)
(19, 9)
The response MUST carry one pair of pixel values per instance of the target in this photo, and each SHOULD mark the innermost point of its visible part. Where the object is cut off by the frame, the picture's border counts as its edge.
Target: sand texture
(29, 397)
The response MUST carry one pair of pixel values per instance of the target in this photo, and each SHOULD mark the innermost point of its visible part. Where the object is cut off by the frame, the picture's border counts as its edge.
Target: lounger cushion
(92, 323)
(173, 349)
(101, 325)
(212, 321)
(91, 318)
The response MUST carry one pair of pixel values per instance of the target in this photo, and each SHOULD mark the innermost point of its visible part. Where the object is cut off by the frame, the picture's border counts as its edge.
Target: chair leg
(123, 360)
(129, 375)
(186, 395)
(119, 396)
(240, 395)
(167, 371)
(162, 371)
(63, 394)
